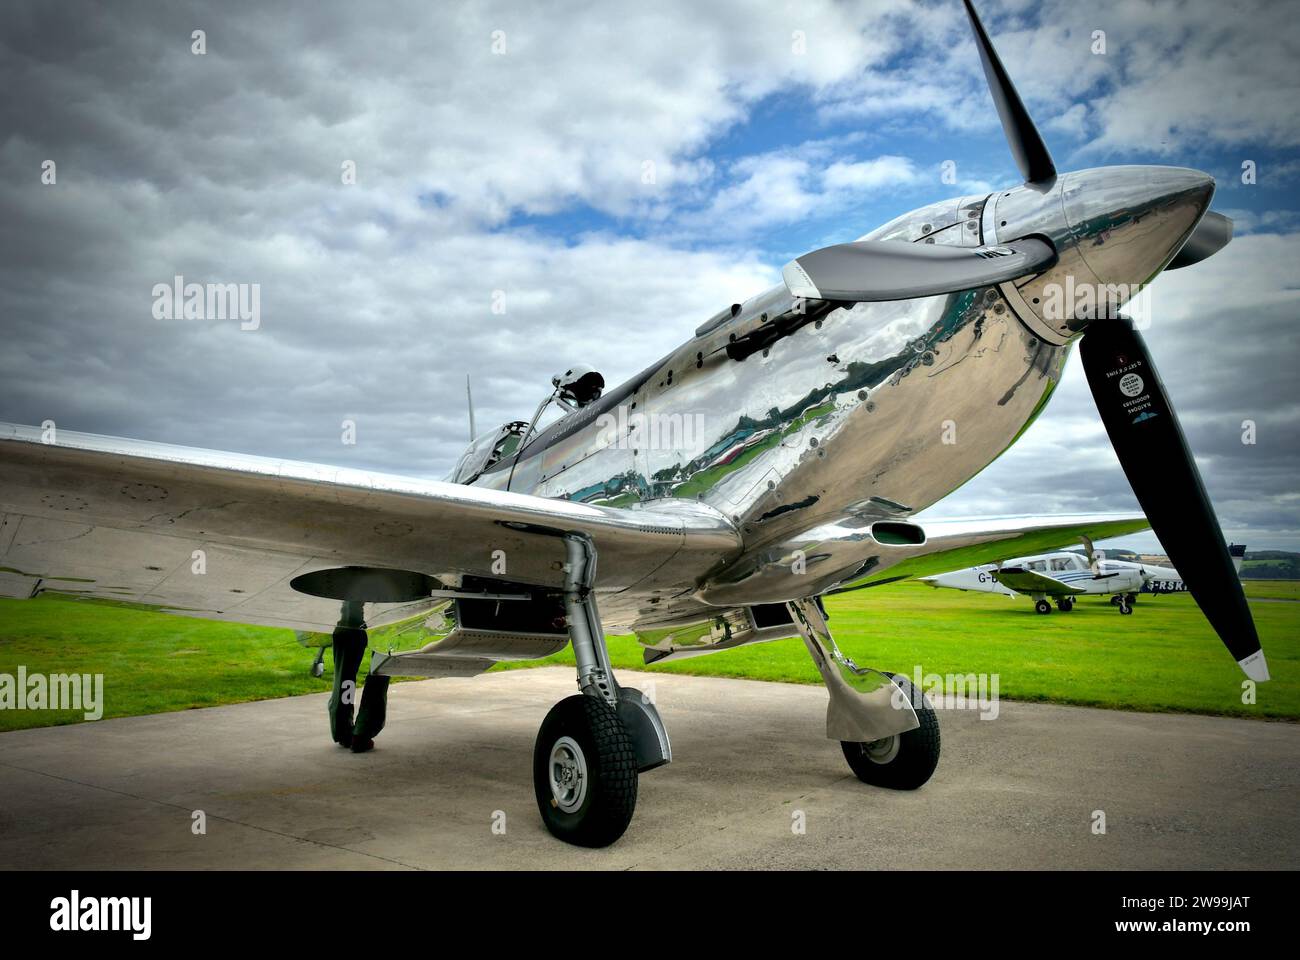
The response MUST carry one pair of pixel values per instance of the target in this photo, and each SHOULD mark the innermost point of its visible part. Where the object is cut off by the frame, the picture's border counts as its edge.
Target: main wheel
(904, 761)
(1042, 606)
(1132, 599)
(584, 772)
(1065, 604)
(1116, 600)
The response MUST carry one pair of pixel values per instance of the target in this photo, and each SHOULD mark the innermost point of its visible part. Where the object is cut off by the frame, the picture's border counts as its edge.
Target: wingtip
(1255, 666)
(798, 282)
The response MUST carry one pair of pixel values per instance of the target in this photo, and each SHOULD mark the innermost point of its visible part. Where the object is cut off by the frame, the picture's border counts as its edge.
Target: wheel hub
(568, 775)
(883, 750)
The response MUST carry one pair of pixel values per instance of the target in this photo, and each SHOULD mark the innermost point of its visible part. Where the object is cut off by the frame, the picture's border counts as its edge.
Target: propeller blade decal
(1158, 463)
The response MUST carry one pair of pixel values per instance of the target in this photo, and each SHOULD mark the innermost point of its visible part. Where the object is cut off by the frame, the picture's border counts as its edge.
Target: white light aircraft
(1064, 576)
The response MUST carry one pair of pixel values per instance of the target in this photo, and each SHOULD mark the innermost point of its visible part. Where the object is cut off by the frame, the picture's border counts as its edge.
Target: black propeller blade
(1027, 146)
(1210, 236)
(1153, 452)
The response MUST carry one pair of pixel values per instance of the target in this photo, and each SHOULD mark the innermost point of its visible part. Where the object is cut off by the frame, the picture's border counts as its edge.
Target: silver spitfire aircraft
(824, 405)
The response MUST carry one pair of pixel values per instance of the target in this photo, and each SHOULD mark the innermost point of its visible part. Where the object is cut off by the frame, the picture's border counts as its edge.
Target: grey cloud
(225, 168)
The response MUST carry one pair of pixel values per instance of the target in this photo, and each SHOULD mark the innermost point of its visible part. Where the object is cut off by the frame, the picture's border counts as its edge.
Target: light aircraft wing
(221, 535)
(1027, 581)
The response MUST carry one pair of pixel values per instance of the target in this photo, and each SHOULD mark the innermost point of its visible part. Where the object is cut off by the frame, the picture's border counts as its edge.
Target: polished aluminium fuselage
(862, 412)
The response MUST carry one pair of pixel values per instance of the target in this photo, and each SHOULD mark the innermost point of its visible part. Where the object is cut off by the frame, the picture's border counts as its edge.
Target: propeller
(1136, 409)
(1094, 560)
(1027, 146)
(1210, 236)
(887, 270)
(1130, 396)
(1144, 430)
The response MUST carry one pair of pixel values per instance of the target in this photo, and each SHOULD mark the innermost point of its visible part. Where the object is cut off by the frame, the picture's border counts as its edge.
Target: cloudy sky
(610, 176)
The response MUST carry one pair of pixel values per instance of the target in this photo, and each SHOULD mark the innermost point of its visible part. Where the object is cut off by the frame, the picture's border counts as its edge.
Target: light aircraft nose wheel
(904, 761)
(584, 772)
(1124, 608)
(1042, 606)
(1065, 604)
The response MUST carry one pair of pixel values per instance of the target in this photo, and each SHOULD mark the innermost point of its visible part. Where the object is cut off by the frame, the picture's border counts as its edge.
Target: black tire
(916, 756)
(1132, 599)
(1065, 604)
(605, 807)
(1124, 608)
(1115, 600)
(1042, 606)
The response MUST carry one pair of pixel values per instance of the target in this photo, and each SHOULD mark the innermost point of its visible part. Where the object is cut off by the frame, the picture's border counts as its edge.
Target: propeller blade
(1027, 146)
(1093, 560)
(871, 270)
(1153, 452)
(1210, 236)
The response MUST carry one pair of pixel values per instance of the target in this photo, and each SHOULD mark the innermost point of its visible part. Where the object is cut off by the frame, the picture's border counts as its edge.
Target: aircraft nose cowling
(1128, 222)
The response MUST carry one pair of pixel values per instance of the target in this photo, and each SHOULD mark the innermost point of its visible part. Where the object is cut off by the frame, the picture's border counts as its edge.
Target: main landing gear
(592, 747)
(888, 730)
(349, 646)
(1065, 604)
(1042, 606)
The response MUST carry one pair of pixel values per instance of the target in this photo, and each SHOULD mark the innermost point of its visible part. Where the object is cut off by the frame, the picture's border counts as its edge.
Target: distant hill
(1258, 565)
(1271, 565)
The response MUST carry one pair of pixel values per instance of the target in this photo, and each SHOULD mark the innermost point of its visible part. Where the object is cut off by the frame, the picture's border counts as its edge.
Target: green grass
(1273, 589)
(1164, 657)
(151, 662)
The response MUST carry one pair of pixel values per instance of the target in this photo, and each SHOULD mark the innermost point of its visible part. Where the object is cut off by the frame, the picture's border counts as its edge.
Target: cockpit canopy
(574, 389)
(487, 449)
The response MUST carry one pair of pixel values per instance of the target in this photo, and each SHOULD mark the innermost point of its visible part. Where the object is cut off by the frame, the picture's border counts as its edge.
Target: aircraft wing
(221, 535)
(1027, 581)
(970, 542)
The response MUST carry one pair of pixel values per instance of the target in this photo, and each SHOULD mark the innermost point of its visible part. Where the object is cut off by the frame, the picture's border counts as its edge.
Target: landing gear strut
(888, 732)
(592, 747)
(349, 646)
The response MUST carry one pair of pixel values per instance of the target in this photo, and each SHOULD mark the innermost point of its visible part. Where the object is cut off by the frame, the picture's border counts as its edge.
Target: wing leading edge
(220, 535)
(953, 544)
